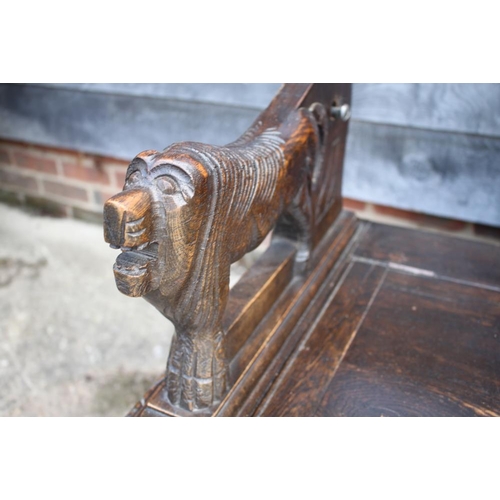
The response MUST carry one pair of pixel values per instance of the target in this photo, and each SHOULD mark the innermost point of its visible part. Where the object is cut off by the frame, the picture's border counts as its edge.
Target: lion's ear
(136, 165)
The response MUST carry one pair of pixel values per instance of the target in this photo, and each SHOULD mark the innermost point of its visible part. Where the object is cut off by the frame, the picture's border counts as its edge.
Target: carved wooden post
(186, 213)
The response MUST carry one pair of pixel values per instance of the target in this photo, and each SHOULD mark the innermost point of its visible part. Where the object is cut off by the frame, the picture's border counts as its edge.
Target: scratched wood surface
(306, 376)
(433, 254)
(413, 330)
(427, 347)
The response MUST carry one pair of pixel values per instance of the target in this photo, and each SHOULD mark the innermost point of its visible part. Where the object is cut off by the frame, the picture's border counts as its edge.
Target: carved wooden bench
(338, 316)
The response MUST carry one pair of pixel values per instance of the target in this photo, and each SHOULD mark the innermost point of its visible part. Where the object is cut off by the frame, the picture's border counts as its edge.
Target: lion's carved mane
(237, 194)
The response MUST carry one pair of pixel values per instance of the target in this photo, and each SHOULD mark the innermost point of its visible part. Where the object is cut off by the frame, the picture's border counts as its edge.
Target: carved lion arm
(188, 212)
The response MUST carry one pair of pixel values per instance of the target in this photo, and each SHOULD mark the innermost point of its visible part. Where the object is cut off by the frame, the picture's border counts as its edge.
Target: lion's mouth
(134, 269)
(135, 261)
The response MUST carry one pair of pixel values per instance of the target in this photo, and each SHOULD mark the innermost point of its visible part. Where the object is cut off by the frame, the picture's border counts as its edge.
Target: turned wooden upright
(186, 213)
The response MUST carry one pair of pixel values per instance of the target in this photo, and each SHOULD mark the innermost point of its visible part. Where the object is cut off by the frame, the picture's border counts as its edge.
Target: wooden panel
(300, 387)
(447, 174)
(253, 296)
(426, 309)
(266, 351)
(434, 254)
(322, 287)
(426, 347)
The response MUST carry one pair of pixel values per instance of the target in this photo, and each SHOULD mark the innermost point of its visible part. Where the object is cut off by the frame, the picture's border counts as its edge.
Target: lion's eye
(134, 178)
(166, 185)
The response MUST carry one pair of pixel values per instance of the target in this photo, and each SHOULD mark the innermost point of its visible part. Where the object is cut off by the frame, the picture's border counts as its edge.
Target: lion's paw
(196, 380)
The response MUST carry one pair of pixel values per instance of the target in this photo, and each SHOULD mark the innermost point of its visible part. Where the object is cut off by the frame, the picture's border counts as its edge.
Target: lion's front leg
(197, 370)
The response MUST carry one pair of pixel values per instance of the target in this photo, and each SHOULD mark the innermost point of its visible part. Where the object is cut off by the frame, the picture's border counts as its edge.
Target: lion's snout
(128, 226)
(127, 219)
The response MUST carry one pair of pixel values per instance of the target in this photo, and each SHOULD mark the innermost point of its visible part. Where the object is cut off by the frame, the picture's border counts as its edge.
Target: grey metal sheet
(469, 108)
(445, 174)
(250, 95)
(113, 125)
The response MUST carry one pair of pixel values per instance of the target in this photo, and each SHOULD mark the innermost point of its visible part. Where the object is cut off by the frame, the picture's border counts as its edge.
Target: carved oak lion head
(154, 221)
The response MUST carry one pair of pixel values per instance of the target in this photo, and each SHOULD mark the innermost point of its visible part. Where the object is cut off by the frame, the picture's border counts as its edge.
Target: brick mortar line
(68, 203)
(19, 190)
(39, 177)
(59, 167)
(43, 155)
(86, 160)
(54, 150)
(467, 232)
(63, 179)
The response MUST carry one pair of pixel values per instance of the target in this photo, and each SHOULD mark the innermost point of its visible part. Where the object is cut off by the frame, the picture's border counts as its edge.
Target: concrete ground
(70, 343)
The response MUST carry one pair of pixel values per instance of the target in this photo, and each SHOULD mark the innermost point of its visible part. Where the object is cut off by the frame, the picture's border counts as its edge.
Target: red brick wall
(61, 181)
(396, 216)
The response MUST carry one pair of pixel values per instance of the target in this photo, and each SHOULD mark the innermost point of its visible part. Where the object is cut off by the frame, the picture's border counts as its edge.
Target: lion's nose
(127, 218)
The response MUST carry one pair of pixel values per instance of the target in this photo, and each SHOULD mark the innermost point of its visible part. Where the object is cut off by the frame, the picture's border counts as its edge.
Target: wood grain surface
(427, 347)
(305, 378)
(275, 338)
(432, 254)
(429, 344)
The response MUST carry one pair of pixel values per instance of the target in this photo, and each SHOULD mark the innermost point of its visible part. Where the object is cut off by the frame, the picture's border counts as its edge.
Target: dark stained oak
(306, 376)
(427, 347)
(274, 339)
(149, 412)
(433, 254)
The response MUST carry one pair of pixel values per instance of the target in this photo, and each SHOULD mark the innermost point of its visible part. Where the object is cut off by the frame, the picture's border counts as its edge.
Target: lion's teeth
(126, 249)
(143, 246)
